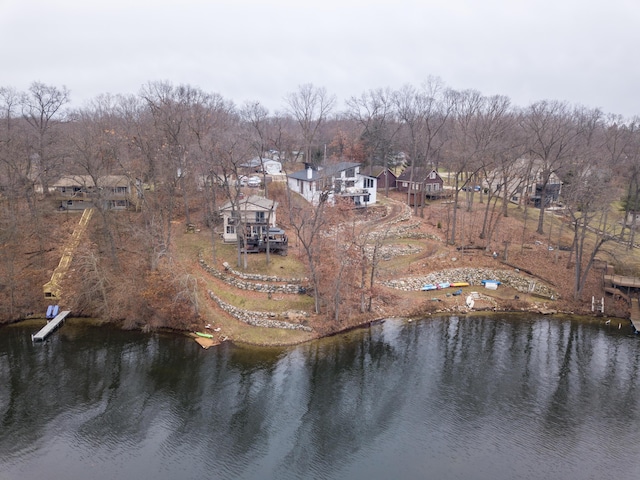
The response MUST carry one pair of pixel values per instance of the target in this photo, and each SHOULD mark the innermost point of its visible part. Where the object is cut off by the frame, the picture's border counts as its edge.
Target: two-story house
(420, 183)
(77, 192)
(256, 214)
(339, 180)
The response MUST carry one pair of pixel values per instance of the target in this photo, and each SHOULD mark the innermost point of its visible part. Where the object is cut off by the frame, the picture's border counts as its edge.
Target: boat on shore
(204, 335)
(459, 284)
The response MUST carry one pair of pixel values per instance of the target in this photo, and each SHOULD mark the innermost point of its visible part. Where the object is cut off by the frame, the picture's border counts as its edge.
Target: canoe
(428, 286)
(460, 284)
(204, 335)
(443, 285)
(497, 282)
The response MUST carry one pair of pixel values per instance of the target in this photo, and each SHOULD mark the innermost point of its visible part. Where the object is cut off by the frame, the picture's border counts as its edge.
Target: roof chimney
(309, 172)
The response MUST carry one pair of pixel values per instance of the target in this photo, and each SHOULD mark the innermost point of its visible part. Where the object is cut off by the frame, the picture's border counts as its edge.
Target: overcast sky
(583, 52)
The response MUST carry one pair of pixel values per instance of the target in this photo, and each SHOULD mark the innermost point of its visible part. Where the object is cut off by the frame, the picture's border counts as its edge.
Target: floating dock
(49, 328)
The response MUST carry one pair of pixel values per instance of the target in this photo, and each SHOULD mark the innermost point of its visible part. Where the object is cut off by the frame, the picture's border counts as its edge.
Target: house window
(231, 229)
(118, 204)
(260, 217)
(432, 175)
(351, 172)
(405, 184)
(367, 198)
(368, 183)
(436, 186)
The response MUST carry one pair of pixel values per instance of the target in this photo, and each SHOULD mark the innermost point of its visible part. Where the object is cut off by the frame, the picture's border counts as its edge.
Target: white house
(257, 214)
(339, 179)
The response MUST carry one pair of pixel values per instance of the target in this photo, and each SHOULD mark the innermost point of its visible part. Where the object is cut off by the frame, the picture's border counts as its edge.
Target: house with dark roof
(419, 179)
(384, 176)
(338, 180)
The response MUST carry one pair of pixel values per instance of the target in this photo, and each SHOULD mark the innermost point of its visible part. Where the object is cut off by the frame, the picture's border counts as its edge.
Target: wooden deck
(622, 281)
(51, 325)
(635, 314)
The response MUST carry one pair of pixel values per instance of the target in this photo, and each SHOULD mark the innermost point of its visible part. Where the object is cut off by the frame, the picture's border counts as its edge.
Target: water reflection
(455, 397)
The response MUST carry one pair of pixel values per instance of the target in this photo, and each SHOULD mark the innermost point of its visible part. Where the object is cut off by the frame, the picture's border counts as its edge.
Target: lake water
(502, 397)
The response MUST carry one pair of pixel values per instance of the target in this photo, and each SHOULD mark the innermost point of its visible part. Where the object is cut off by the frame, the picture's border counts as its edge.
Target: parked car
(253, 181)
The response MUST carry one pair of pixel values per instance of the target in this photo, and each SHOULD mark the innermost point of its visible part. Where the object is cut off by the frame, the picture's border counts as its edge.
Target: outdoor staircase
(52, 288)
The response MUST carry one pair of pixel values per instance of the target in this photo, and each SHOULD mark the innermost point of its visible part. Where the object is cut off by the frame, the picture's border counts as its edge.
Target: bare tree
(551, 130)
(309, 224)
(375, 114)
(256, 120)
(42, 108)
(423, 114)
(94, 146)
(310, 106)
(464, 147)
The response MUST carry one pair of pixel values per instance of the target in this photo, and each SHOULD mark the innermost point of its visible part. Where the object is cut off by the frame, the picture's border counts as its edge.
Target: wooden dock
(635, 314)
(49, 328)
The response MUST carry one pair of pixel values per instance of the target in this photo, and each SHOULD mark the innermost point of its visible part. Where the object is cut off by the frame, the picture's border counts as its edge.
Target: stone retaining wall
(260, 278)
(235, 279)
(264, 319)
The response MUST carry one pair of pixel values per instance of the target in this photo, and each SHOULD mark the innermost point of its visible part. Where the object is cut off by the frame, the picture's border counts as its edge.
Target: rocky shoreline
(474, 276)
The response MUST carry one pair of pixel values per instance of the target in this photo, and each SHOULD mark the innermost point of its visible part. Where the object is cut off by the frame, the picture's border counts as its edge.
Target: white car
(253, 181)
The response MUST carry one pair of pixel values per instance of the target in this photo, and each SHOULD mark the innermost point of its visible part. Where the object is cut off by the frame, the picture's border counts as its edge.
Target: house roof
(377, 170)
(87, 181)
(256, 162)
(252, 203)
(323, 172)
(420, 174)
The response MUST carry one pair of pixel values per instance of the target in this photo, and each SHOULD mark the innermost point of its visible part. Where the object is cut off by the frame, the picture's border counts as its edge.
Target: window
(436, 186)
(432, 175)
(260, 217)
(368, 183)
(231, 229)
(351, 172)
(405, 184)
(367, 198)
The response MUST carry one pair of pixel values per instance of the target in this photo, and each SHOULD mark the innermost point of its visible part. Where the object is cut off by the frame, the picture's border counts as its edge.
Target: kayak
(460, 284)
(204, 335)
(443, 285)
(428, 286)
